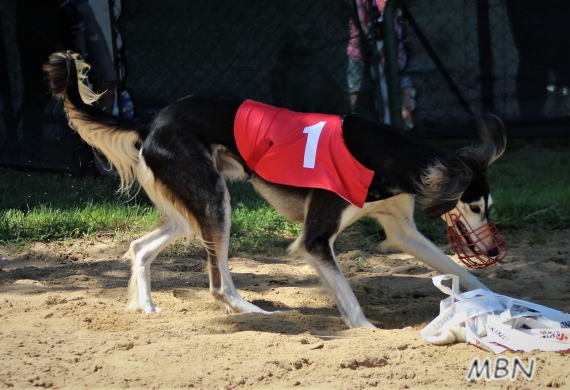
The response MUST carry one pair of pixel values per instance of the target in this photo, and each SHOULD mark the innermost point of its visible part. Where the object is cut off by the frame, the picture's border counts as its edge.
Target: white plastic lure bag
(496, 322)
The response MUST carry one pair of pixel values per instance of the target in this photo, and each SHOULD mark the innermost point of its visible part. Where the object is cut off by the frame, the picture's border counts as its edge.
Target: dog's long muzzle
(479, 248)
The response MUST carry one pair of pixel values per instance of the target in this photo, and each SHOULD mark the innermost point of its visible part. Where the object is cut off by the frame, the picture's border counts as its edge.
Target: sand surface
(63, 324)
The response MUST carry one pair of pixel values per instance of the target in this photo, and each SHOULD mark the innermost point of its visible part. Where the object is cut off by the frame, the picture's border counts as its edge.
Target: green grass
(45, 207)
(531, 191)
(255, 225)
(45, 223)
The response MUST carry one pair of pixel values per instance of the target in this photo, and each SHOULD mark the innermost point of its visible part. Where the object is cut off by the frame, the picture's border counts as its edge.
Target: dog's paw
(152, 308)
(385, 246)
(144, 307)
(454, 334)
(243, 306)
(366, 324)
(361, 323)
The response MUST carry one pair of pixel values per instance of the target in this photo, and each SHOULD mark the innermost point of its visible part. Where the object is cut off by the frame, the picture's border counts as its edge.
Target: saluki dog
(183, 155)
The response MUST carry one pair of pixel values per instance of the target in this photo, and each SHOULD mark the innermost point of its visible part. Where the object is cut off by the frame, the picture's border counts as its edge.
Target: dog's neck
(397, 158)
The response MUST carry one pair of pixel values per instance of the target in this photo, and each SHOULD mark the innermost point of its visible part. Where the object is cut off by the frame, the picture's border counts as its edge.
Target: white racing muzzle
(479, 248)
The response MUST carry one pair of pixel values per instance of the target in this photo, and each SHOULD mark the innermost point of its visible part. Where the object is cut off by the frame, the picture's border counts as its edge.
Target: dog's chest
(301, 150)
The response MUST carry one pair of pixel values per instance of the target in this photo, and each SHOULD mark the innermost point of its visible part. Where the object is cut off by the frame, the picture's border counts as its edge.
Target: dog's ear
(442, 185)
(443, 182)
(493, 137)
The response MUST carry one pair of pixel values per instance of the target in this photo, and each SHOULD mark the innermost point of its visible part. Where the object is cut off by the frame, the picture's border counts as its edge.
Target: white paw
(364, 324)
(360, 322)
(454, 334)
(234, 303)
(245, 307)
(150, 308)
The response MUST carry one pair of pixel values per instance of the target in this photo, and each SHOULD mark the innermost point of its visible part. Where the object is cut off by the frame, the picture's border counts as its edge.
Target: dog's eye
(475, 209)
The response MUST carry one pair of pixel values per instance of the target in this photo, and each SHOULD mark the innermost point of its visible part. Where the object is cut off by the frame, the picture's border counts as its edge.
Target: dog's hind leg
(322, 224)
(206, 212)
(142, 252)
(396, 215)
(216, 236)
(186, 186)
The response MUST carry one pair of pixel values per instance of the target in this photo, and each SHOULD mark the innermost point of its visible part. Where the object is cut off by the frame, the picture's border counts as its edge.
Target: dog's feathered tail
(443, 182)
(115, 137)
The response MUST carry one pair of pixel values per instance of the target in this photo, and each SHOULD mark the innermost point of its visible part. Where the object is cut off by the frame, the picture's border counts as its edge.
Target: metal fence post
(391, 64)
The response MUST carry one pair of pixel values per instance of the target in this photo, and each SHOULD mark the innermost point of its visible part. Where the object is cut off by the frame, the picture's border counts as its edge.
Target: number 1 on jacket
(314, 133)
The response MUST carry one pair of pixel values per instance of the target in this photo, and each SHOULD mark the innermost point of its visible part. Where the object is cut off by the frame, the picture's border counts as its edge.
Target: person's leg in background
(408, 101)
(354, 75)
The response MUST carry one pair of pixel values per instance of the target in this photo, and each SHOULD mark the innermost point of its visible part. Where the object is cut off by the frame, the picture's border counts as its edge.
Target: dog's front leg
(323, 221)
(396, 217)
(322, 259)
(415, 244)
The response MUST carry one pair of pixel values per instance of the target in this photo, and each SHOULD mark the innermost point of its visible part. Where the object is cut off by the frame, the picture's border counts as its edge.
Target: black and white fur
(183, 155)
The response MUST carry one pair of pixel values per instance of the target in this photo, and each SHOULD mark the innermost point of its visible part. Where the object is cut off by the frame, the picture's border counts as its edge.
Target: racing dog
(183, 155)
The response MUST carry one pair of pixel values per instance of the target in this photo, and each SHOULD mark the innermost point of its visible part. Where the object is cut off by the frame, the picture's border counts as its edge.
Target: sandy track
(63, 323)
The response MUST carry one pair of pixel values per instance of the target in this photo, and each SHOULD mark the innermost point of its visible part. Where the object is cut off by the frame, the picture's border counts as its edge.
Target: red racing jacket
(301, 150)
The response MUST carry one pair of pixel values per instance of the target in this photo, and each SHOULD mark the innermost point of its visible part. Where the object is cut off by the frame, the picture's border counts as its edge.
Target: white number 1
(312, 143)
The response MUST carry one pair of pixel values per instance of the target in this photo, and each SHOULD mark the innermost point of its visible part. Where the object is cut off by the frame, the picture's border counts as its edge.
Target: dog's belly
(289, 201)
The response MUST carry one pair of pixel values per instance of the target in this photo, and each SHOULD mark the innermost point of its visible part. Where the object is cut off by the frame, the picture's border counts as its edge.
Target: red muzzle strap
(468, 243)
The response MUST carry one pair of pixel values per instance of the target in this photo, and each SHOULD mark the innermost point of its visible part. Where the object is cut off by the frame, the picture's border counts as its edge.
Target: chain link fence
(287, 53)
(507, 57)
(461, 58)
(33, 127)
